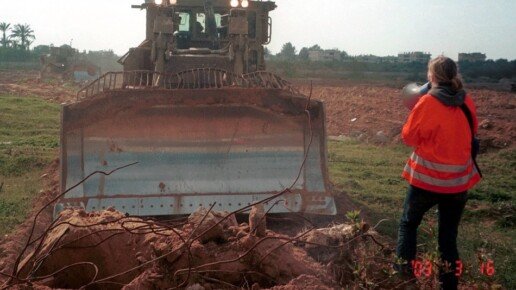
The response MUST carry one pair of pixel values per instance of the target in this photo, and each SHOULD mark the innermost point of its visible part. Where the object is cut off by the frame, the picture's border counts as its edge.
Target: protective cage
(195, 147)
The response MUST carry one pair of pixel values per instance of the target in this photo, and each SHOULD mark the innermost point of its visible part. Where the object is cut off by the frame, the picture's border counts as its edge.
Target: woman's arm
(472, 108)
(416, 128)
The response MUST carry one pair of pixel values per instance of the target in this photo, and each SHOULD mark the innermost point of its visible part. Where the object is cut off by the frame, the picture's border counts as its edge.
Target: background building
(472, 57)
(415, 56)
(324, 55)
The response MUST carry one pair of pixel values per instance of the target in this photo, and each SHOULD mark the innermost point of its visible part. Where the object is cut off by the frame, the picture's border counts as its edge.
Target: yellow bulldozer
(206, 123)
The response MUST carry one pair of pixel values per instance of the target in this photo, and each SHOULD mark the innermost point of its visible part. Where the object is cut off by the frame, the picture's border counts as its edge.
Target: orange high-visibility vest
(441, 135)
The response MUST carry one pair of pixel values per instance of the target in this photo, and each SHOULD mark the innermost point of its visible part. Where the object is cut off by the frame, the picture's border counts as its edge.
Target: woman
(441, 169)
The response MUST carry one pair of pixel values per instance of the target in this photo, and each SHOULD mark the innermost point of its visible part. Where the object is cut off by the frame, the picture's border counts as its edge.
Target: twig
(380, 222)
(18, 259)
(220, 281)
(375, 241)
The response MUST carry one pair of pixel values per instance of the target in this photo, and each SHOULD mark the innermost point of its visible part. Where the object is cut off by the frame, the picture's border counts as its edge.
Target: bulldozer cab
(206, 126)
(203, 33)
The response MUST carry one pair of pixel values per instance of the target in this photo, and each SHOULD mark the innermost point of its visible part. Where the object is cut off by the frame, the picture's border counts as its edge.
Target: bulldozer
(207, 125)
(65, 62)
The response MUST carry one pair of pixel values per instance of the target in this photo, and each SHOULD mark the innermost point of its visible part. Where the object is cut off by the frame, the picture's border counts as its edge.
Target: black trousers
(450, 206)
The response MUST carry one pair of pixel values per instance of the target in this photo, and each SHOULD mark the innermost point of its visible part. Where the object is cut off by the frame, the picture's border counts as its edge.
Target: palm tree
(4, 27)
(24, 33)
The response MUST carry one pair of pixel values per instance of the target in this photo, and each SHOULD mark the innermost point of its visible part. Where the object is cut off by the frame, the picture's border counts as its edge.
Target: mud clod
(107, 250)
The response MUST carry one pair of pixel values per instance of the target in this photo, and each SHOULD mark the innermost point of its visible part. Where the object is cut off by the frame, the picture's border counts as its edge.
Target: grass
(29, 135)
(29, 130)
(370, 175)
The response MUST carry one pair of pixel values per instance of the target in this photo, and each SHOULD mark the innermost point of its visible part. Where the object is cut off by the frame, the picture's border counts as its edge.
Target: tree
(4, 27)
(41, 49)
(266, 51)
(304, 53)
(288, 51)
(315, 47)
(25, 35)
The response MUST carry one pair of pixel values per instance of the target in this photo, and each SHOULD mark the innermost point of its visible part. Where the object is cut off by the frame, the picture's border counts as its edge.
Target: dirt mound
(303, 282)
(107, 250)
(374, 113)
(27, 83)
(11, 245)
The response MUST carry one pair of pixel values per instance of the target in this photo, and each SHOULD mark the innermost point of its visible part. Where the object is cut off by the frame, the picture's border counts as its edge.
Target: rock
(215, 230)
(195, 287)
(380, 137)
(329, 236)
(241, 234)
(362, 137)
(486, 124)
(304, 282)
(257, 221)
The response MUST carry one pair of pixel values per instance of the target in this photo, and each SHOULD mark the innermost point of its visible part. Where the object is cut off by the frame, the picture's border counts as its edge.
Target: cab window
(218, 19)
(185, 21)
(200, 25)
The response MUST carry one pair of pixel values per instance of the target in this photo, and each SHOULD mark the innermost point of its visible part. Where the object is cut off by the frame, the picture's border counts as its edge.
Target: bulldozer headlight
(245, 3)
(234, 3)
(158, 2)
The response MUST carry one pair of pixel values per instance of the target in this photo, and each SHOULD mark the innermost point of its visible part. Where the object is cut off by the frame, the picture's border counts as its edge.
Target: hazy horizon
(357, 27)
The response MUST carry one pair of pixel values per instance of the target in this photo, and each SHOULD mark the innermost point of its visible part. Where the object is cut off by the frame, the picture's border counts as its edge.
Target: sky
(379, 27)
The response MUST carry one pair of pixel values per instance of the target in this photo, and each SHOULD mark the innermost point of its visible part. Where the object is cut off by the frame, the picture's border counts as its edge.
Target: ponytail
(456, 83)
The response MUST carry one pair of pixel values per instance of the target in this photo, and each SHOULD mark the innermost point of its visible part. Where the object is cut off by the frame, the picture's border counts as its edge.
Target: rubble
(112, 251)
(257, 222)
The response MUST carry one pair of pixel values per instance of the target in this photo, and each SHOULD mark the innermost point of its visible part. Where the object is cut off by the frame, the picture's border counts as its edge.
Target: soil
(115, 243)
(372, 112)
(80, 243)
(108, 250)
(28, 83)
(375, 113)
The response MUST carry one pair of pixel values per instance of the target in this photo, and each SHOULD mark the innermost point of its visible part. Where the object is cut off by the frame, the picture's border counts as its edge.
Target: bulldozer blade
(229, 147)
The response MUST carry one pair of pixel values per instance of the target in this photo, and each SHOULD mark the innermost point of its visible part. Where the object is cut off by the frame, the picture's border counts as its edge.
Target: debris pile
(209, 250)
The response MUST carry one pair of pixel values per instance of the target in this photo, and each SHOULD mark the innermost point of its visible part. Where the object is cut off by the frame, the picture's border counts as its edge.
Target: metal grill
(199, 78)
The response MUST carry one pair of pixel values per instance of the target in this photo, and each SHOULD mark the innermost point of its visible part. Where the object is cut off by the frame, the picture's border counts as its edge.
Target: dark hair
(445, 71)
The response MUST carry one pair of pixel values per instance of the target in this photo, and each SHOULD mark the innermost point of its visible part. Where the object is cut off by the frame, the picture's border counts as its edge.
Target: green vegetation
(371, 176)
(15, 51)
(15, 42)
(29, 129)
(29, 133)
(288, 62)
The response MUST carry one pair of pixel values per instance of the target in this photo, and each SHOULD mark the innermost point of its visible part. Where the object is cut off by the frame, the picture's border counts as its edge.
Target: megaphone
(412, 92)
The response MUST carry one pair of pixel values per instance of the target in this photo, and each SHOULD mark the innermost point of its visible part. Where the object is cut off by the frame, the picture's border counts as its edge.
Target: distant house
(324, 55)
(472, 57)
(414, 56)
(370, 59)
(388, 59)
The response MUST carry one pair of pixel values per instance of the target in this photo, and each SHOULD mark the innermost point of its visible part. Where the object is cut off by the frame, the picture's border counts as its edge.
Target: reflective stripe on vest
(438, 166)
(441, 182)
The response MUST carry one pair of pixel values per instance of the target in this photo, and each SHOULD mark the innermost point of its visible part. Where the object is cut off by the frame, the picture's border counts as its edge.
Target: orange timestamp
(424, 268)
